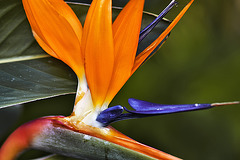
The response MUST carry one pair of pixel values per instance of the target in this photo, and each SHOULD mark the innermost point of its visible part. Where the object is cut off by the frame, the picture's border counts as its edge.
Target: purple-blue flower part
(144, 109)
(109, 115)
(150, 27)
(145, 32)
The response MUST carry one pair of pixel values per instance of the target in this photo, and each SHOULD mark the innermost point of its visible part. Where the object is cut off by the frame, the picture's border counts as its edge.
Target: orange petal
(126, 29)
(44, 46)
(142, 56)
(36, 30)
(98, 48)
(57, 30)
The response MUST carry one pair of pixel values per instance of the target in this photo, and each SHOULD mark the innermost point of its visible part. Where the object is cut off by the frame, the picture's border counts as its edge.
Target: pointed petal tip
(57, 30)
(126, 28)
(140, 59)
(97, 45)
(225, 103)
(152, 25)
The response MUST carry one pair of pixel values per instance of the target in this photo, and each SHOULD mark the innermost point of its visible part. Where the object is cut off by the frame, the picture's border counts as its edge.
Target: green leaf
(27, 72)
(25, 81)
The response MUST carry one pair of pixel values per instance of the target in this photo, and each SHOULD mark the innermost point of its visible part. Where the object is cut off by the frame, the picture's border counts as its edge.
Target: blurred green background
(199, 63)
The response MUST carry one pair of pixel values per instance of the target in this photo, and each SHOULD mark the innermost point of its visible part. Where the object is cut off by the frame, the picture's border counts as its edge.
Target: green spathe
(63, 141)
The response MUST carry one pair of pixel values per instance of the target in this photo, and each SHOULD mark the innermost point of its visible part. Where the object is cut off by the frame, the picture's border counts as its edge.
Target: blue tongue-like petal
(143, 107)
(146, 109)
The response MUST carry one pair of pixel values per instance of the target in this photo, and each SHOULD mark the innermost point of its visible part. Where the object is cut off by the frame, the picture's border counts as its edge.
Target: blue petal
(109, 115)
(146, 109)
(145, 32)
(150, 27)
(143, 107)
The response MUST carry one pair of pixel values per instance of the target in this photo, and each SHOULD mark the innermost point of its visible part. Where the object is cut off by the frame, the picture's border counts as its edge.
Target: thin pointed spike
(225, 103)
(150, 27)
(140, 58)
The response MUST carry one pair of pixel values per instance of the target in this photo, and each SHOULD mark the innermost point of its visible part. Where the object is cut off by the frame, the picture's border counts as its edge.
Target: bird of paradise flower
(103, 56)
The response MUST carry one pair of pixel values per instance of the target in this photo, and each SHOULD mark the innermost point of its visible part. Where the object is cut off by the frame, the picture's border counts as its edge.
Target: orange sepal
(126, 29)
(144, 54)
(97, 46)
(57, 30)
